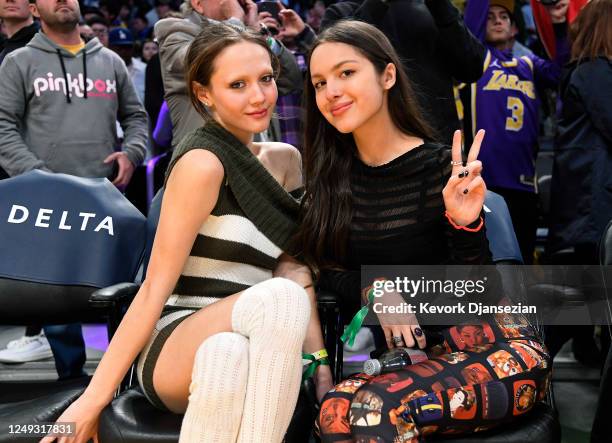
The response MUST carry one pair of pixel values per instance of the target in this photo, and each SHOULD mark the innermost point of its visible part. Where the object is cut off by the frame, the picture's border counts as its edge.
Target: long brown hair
(591, 32)
(206, 47)
(327, 202)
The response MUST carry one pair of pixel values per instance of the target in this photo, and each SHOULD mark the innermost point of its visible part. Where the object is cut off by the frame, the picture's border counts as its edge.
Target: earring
(207, 104)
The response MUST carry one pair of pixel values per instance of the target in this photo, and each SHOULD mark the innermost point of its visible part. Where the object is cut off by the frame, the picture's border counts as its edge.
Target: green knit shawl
(264, 201)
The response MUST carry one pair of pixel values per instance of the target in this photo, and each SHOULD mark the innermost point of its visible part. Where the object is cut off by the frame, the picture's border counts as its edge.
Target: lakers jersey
(505, 104)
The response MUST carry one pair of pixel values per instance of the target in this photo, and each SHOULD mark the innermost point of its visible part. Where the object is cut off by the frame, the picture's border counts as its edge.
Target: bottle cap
(372, 367)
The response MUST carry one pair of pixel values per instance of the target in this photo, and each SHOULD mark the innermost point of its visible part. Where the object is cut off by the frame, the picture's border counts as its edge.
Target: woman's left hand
(465, 191)
(324, 381)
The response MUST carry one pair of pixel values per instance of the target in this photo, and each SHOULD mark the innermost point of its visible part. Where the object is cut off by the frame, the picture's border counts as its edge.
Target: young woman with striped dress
(219, 333)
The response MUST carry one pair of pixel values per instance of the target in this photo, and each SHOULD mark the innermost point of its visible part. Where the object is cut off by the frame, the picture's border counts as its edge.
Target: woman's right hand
(85, 415)
(405, 326)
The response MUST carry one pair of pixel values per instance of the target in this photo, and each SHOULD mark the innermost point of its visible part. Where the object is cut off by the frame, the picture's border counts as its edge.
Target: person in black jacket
(581, 202)
(20, 28)
(434, 45)
(581, 190)
(154, 94)
(18, 23)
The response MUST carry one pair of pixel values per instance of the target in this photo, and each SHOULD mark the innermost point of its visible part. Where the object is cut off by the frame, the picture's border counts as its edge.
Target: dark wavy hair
(206, 47)
(328, 154)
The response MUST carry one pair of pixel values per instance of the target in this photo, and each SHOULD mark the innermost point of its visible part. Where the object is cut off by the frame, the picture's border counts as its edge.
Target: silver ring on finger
(397, 341)
(457, 163)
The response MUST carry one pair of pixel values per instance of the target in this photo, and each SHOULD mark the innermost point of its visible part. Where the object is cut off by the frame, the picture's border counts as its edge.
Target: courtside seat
(63, 237)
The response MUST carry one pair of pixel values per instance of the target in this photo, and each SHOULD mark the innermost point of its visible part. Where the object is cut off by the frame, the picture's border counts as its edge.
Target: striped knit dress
(237, 246)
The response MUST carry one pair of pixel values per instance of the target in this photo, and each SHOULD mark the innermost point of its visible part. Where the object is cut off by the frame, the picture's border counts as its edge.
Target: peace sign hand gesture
(465, 191)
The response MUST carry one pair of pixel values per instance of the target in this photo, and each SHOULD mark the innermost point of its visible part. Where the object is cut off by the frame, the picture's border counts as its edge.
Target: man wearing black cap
(121, 41)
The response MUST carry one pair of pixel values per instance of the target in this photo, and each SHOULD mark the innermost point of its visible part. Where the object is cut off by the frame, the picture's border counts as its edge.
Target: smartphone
(269, 6)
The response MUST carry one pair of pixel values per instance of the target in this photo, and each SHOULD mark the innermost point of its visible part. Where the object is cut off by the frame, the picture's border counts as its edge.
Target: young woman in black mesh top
(379, 191)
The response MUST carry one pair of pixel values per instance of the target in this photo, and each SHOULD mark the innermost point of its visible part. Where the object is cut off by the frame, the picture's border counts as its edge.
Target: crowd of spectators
(498, 65)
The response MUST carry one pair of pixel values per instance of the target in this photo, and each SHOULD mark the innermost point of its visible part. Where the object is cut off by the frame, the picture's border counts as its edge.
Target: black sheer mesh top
(398, 213)
(398, 218)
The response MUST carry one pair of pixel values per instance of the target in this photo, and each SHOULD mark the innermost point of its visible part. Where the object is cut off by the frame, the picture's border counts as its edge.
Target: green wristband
(351, 330)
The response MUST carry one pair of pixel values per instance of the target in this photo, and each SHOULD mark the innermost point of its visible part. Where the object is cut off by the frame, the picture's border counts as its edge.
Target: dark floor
(575, 386)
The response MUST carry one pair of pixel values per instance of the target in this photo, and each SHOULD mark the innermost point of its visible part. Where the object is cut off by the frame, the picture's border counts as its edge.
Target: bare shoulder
(285, 163)
(281, 156)
(279, 149)
(198, 167)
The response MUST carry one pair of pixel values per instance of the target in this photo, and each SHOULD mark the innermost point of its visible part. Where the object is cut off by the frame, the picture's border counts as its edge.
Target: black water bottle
(390, 360)
(393, 360)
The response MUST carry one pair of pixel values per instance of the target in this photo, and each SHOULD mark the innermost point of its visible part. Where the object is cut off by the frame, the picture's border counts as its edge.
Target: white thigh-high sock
(217, 390)
(274, 316)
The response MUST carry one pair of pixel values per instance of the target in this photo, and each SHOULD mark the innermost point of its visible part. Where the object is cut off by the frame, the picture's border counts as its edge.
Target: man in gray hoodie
(60, 98)
(59, 101)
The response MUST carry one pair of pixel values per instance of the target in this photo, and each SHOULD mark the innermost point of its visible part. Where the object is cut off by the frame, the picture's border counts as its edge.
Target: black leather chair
(133, 420)
(605, 248)
(602, 425)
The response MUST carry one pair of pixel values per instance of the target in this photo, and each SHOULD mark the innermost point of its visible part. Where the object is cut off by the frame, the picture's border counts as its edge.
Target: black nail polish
(465, 191)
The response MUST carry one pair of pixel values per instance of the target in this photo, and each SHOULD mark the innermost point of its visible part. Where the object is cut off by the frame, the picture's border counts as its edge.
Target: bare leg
(274, 316)
(172, 374)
